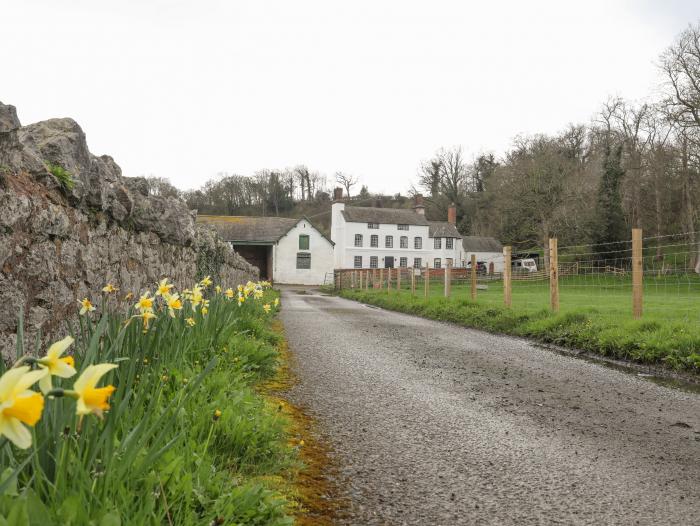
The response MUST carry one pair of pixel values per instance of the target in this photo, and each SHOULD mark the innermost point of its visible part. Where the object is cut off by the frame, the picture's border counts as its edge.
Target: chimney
(452, 214)
(337, 194)
(419, 208)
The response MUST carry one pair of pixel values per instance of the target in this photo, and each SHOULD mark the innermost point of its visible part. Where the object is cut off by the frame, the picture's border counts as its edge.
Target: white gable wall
(487, 257)
(285, 257)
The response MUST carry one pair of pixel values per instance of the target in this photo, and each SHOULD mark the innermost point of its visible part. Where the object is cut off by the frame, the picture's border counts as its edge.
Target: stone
(8, 118)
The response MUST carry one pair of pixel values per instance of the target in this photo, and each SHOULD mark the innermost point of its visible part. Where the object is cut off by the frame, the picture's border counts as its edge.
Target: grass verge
(675, 345)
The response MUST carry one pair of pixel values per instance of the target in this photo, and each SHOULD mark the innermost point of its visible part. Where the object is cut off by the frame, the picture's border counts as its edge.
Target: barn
(486, 249)
(286, 250)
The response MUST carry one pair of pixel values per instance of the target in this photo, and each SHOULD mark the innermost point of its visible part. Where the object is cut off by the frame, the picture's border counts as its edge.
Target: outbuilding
(286, 250)
(487, 250)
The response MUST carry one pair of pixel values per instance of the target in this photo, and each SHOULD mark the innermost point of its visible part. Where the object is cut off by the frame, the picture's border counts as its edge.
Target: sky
(187, 89)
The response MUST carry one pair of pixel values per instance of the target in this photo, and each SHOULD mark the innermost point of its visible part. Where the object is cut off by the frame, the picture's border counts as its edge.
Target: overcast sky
(190, 88)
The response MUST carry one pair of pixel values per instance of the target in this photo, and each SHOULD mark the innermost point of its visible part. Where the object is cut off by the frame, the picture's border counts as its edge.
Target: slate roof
(396, 216)
(442, 229)
(251, 229)
(481, 244)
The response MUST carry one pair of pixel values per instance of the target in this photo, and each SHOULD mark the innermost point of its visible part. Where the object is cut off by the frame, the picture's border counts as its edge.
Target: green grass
(64, 176)
(160, 456)
(595, 314)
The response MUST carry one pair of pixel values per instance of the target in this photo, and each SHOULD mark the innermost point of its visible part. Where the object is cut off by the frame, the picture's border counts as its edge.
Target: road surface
(431, 423)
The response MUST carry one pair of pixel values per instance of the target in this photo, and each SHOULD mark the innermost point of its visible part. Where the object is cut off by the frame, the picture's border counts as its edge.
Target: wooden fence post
(637, 273)
(507, 293)
(448, 280)
(398, 280)
(381, 278)
(413, 281)
(473, 273)
(553, 275)
(426, 281)
(388, 280)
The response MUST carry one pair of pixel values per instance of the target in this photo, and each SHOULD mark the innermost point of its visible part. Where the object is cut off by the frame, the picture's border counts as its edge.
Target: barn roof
(481, 244)
(253, 229)
(442, 229)
(396, 216)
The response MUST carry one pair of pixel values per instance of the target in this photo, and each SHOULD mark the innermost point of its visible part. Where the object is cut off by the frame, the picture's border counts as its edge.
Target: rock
(8, 118)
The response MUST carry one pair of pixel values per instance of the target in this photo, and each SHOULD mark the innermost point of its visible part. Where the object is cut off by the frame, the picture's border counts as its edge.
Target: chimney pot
(419, 208)
(452, 214)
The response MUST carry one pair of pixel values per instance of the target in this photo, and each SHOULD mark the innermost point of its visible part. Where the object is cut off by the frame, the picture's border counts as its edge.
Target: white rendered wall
(487, 257)
(285, 257)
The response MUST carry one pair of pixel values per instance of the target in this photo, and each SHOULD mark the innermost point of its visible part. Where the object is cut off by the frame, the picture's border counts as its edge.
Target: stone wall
(62, 241)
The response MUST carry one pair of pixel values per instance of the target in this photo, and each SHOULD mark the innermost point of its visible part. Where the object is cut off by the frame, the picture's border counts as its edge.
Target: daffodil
(128, 296)
(190, 322)
(276, 302)
(163, 287)
(92, 399)
(241, 299)
(55, 365)
(85, 306)
(196, 296)
(258, 294)
(266, 308)
(229, 293)
(206, 281)
(109, 288)
(217, 289)
(217, 415)
(145, 303)
(174, 303)
(19, 404)
(147, 316)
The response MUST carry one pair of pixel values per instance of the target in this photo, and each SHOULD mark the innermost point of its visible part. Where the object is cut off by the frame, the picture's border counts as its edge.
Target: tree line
(636, 165)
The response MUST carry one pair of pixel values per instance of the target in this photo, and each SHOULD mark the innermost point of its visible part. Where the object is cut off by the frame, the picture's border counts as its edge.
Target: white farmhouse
(287, 251)
(487, 250)
(368, 237)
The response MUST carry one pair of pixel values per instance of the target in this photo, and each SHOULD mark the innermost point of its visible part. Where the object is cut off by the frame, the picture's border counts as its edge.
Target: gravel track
(431, 423)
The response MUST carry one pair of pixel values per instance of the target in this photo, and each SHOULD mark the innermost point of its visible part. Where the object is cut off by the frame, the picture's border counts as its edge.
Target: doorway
(389, 262)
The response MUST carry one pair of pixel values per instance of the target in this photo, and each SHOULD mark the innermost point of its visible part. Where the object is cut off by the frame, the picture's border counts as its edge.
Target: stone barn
(287, 251)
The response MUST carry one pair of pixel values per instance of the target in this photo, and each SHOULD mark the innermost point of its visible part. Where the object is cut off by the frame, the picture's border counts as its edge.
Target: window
(418, 242)
(303, 242)
(403, 262)
(358, 240)
(402, 227)
(438, 243)
(303, 259)
(373, 262)
(437, 263)
(374, 241)
(417, 263)
(389, 241)
(403, 242)
(358, 261)
(372, 225)
(449, 243)
(448, 262)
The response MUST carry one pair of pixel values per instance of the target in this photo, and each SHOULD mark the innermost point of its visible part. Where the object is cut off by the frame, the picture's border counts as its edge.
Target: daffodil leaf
(111, 519)
(8, 480)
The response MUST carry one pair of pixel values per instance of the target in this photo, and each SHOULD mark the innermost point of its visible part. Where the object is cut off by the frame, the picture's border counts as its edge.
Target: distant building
(368, 237)
(487, 250)
(291, 251)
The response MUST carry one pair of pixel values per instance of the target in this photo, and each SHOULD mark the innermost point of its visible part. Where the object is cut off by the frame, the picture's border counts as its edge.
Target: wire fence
(650, 278)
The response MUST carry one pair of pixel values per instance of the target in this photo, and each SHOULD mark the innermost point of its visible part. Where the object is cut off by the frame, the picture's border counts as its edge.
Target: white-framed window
(373, 262)
(417, 262)
(449, 243)
(402, 227)
(303, 260)
(403, 262)
(437, 243)
(373, 225)
(374, 241)
(449, 262)
(418, 242)
(358, 240)
(389, 241)
(358, 261)
(437, 263)
(403, 242)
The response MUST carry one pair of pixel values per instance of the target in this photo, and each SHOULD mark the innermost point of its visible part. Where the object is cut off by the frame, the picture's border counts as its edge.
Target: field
(595, 313)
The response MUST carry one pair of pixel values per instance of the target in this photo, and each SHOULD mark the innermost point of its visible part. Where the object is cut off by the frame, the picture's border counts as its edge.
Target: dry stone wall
(64, 240)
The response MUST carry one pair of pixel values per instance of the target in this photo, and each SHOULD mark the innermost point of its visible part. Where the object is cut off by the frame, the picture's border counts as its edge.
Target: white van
(524, 265)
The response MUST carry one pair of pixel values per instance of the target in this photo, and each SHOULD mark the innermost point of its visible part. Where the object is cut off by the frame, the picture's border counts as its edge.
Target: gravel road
(436, 424)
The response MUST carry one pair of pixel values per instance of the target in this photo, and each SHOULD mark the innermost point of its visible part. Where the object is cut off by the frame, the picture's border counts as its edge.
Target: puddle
(672, 380)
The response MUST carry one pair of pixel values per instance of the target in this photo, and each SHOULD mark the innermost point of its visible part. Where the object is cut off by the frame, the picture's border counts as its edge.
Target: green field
(595, 313)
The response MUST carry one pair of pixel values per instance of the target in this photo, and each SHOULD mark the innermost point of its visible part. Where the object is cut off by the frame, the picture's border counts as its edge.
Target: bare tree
(346, 180)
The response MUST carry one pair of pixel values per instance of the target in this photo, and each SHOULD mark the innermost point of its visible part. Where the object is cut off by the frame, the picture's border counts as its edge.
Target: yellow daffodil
(85, 306)
(128, 296)
(55, 365)
(266, 308)
(240, 288)
(19, 404)
(163, 287)
(217, 415)
(276, 302)
(147, 316)
(190, 322)
(241, 299)
(145, 303)
(206, 281)
(174, 303)
(109, 288)
(217, 289)
(196, 296)
(92, 399)
(229, 293)
(258, 294)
